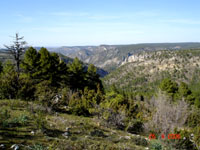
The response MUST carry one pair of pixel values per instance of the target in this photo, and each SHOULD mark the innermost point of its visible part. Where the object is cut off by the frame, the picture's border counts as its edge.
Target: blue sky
(95, 22)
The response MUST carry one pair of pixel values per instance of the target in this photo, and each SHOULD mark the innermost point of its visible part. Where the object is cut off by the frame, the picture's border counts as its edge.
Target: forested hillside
(143, 72)
(48, 101)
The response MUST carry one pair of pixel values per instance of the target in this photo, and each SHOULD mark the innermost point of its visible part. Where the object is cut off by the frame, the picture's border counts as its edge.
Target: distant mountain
(109, 57)
(145, 70)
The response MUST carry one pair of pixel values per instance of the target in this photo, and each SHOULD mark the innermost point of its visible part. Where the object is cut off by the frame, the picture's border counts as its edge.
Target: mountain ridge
(110, 57)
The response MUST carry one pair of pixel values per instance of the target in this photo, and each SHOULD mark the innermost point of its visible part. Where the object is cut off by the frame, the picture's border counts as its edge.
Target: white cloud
(182, 21)
(69, 14)
(106, 16)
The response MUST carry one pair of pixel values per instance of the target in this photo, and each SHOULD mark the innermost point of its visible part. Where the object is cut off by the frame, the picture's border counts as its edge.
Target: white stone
(15, 147)
(32, 132)
(127, 137)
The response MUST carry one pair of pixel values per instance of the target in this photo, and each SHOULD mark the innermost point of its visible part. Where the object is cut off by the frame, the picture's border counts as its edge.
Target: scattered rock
(127, 137)
(2, 146)
(15, 147)
(32, 132)
(66, 134)
(67, 129)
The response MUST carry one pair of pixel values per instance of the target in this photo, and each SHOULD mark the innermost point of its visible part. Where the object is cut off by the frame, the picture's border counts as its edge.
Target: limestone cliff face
(135, 58)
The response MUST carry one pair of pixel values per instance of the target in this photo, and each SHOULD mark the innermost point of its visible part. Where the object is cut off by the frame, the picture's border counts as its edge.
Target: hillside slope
(145, 70)
(30, 126)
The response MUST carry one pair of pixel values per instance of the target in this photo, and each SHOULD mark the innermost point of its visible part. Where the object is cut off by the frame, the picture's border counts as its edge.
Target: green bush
(8, 121)
(40, 120)
(155, 146)
(197, 102)
(84, 102)
(193, 119)
(9, 84)
(197, 136)
(26, 88)
(4, 115)
(169, 86)
(140, 141)
(45, 92)
(115, 101)
(78, 106)
(135, 126)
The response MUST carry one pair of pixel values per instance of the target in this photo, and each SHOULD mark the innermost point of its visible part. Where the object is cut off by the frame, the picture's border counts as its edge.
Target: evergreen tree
(31, 62)
(76, 75)
(17, 50)
(92, 78)
(197, 102)
(51, 67)
(186, 93)
(1, 67)
(184, 90)
(44, 63)
(57, 70)
(169, 86)
(9, 85)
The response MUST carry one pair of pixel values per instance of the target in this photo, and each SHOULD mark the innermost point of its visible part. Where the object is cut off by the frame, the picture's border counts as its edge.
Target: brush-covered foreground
(32, 126)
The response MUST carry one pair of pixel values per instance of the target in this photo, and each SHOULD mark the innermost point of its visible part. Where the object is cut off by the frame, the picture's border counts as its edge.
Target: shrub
(169, 86)
(8, 121)
(84, 102)
(167, 115)
(8, 82)
(45, 92)
(26, 88)
(193, 119)
(140, 141)
(4, 115)
(78, 106)
(115, 119)
(135, 126)
(155, 146)
(40, 120)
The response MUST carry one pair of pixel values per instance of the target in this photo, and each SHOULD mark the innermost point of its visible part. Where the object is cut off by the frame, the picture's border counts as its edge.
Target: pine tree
(57, 70)
(45, 64)
(184, 90)
(17, 50)
(76, 75)
(9, 84)
(92, 78)
(169, 86)
(1, 67)
(31, 62)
